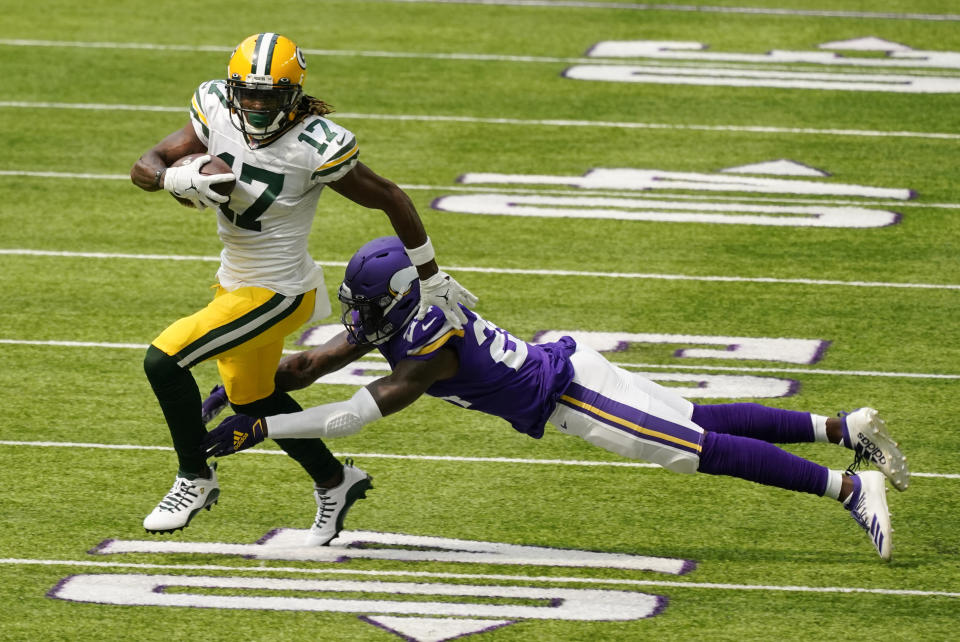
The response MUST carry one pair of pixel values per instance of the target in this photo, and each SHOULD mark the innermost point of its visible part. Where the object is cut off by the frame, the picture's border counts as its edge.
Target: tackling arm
(302, 369)
(387, 395)
(409, 380)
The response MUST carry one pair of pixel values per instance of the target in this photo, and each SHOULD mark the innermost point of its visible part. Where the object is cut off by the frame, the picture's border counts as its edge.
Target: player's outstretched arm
(437, 288)
(299, 370)
(407, 383)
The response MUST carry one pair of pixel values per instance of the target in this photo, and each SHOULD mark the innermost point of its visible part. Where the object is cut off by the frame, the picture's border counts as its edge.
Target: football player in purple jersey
(480, 366)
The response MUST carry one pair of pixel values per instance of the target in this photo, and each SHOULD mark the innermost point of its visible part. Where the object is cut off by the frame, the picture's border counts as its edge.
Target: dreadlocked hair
(310, 106)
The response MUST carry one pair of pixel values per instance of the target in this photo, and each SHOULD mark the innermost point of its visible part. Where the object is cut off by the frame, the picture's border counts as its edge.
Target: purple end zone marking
(363, 545)
(680, 352)
(492, 627)
(662, 603)
(821, 350)
(270, 535)
(435, 203)
(52, 593)
(590, 50)
(364, 618)
(793, 389)
(897, 216)
(96, 550)
(688, 567)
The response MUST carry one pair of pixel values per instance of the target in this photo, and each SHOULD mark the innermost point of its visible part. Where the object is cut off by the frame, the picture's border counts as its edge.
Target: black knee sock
(312, 454)
(180, 402)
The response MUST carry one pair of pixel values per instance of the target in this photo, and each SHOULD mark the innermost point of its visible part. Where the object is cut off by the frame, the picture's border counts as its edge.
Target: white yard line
(518, 271)
(442, 458)
(571, 191)
(638, 6)
(478, 576)
(522, 122)
(57, 343)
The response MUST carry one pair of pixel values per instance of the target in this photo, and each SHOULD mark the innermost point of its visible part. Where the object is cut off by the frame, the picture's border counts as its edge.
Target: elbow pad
(338, 419)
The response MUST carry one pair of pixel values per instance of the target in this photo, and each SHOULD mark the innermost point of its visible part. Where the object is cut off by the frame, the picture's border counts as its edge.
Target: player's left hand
(443, 291)
(234, 434)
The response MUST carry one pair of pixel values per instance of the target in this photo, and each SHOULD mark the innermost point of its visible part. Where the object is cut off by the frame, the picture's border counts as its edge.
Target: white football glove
(443, 291)
(186, 181)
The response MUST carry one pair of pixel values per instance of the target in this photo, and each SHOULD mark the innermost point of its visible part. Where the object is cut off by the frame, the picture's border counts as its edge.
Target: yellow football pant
(244, 330)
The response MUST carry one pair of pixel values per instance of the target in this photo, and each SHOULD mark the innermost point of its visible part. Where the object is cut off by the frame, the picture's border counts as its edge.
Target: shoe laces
(181, 495)
(326, 506)
(858, 456)
(858, 459)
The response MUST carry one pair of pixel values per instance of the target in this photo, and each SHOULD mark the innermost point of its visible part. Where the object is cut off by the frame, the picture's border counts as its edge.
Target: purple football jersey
(499, 374)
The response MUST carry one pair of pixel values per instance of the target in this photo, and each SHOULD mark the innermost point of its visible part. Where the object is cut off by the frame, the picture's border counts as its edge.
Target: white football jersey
(265, 226)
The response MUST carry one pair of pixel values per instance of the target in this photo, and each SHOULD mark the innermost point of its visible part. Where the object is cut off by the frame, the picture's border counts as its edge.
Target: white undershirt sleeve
(338, 419)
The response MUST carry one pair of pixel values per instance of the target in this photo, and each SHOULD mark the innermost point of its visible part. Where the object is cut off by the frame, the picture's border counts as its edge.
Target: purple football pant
(739, 439)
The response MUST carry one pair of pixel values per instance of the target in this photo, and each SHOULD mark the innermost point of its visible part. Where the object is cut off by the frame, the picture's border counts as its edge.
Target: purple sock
(752, 420)
(846, 432)
(760, 462)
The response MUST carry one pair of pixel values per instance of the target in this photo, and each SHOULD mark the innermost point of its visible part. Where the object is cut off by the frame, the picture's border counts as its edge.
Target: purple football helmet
(380, 292)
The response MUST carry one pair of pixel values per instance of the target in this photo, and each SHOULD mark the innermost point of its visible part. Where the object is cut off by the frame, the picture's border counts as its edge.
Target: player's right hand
(234, 434)
(443, 291)
(186, 181)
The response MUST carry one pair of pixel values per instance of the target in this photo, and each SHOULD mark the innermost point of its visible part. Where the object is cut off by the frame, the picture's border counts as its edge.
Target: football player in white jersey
(282, 151)
(483, 367)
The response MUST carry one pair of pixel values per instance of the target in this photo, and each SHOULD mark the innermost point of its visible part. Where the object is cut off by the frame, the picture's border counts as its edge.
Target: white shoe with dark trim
(866, 433)
(333, 504)
(185, 499)
(868, 507)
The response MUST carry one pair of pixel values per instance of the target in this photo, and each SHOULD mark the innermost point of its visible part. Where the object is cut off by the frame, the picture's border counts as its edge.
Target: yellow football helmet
(264, 84)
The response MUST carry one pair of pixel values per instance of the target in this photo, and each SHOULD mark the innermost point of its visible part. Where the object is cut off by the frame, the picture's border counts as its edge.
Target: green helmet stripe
(254, 59)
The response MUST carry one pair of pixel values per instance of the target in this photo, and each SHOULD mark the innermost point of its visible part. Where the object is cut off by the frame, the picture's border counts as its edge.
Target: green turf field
(730, 185)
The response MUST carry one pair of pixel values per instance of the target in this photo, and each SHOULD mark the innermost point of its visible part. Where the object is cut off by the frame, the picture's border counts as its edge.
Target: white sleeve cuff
(422, 254)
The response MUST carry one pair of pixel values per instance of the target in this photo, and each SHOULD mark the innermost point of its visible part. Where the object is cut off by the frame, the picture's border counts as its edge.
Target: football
(216, 165)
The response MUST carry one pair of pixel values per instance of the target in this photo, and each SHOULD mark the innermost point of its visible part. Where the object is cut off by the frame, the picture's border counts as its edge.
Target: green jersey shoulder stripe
(345, 156)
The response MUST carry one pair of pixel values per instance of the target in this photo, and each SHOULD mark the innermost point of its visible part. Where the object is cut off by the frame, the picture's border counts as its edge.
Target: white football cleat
(868, 507)
(868, 437)
(333, 504)
(185, 499)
